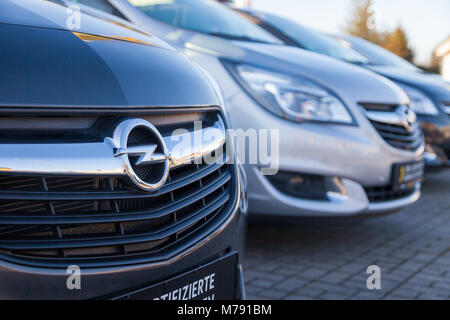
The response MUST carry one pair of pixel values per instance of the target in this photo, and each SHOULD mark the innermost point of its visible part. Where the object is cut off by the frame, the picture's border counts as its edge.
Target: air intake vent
(386, 193)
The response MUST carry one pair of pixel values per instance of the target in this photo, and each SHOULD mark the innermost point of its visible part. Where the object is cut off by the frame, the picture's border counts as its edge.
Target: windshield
(206, 16)
(377, 54)
(312, 40)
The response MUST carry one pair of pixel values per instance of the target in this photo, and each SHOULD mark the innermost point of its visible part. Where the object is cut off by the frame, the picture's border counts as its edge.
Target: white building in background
(442, 52)
(238, 3)
(242, 3)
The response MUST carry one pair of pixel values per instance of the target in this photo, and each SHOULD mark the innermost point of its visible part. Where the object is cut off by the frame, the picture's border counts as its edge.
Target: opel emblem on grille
(407, 117)
(143, 152)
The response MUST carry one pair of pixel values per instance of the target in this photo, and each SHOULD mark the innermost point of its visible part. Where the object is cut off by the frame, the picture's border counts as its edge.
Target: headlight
(446, 108)
(290, 96)
(419, 102)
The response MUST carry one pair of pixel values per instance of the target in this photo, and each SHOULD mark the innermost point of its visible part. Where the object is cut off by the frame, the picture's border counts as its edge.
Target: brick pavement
(412, 248)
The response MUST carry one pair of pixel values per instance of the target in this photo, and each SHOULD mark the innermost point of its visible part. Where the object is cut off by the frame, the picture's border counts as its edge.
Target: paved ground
(411, 247)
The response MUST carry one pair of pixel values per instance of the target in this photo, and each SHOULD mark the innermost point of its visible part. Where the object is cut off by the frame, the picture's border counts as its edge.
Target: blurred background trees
(397, 42)
(362, 23)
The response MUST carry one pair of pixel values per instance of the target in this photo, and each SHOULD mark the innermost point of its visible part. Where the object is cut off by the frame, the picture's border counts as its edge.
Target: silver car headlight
(418, 101)
(290, 96)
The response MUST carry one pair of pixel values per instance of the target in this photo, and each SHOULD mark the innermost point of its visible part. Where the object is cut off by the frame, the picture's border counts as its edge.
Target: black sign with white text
(214, 281)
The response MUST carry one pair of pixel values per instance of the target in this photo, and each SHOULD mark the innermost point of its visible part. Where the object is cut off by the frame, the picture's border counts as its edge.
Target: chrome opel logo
(407, 117)
(143, 152)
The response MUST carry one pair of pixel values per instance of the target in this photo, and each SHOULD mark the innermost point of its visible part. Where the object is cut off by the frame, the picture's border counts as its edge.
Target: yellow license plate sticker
(401, 176)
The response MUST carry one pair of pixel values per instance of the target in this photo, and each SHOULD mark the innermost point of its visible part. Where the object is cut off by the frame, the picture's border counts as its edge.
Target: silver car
(349, 144)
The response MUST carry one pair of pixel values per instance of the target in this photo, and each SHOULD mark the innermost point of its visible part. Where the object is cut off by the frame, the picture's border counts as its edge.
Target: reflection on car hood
(56, 14)
(43, 64)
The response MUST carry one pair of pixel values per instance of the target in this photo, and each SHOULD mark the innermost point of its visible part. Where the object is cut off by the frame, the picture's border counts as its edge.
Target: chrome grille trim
(399, 129)
(98, 218)
(98, 158)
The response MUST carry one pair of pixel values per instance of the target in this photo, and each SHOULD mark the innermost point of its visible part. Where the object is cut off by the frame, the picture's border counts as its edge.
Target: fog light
(307, 186)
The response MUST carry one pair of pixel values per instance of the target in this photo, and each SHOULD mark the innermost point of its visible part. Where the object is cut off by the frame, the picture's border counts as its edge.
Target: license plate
(407, 174)
(213, 281)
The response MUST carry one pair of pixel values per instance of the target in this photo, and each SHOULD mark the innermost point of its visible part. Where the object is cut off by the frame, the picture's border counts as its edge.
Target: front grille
(81, 218)
(386, 193)
(106, 220)
(399, 136)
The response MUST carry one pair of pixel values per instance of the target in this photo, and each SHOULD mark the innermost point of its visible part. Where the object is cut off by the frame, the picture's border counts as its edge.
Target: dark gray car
(428, 91)
(95, 201)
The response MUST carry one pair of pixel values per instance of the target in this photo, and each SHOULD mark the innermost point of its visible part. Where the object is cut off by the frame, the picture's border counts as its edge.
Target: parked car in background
(428, 92)
(91, 185)
(429, 95)
(338, 155)
(378, 55)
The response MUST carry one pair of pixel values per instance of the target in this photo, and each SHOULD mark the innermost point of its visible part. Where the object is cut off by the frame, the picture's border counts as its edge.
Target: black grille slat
(18, 206)
(14, 230)
(107, 195)
(129, 216)
(405, 145)
(73, 184)
(411, 137)
(10, 182)
(399, 136)
(165, 231)
(395, 129)
(386, 193)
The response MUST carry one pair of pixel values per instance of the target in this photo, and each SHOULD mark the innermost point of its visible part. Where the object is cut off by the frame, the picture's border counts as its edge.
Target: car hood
(432, 84)
(57, 14)
(102, 64)
(351, 83)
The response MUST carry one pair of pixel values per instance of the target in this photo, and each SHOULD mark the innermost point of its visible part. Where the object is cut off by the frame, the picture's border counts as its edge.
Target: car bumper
(267, 200)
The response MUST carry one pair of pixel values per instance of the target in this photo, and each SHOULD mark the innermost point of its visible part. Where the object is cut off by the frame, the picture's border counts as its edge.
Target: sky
(427, 22)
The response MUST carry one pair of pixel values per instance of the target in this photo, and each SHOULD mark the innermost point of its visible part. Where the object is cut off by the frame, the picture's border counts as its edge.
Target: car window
(379, 55)
(312, 40)
(101, 5)
(97, 4)
(206, 16)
